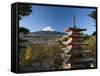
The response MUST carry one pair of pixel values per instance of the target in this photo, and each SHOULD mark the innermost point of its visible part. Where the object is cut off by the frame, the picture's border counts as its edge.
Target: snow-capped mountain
(48, 28)
(47, 31)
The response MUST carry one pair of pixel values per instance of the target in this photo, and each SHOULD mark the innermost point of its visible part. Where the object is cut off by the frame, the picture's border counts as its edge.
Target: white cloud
(48, 28)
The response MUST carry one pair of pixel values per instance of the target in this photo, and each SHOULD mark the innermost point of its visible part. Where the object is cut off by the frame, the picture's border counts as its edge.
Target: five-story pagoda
(74, 55)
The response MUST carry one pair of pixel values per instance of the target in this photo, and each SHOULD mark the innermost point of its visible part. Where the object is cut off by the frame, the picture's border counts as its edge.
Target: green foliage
(21, 40)
(86, 37)
(23, 30)
(94, 33)
(42, 54)
(24, 10)
(59, 42)
(93, 15)
(51, 52)
(91, 45)
(65, 39)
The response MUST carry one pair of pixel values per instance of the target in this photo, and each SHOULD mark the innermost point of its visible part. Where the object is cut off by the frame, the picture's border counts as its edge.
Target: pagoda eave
(82, 60)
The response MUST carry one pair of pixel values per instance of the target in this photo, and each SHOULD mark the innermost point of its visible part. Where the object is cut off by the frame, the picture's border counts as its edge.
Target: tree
(24, 30)
(94, 33)
(24, 10)
(93, 15)
(91, 45)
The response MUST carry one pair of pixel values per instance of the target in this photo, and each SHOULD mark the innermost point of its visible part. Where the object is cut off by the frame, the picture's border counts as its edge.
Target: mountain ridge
(46, 33)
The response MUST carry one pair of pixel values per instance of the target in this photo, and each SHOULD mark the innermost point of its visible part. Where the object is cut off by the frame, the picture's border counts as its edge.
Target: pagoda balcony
(79, 51)
(76, 47)
(77, 36)
(77, 44)
(82, 60)
(77, 40)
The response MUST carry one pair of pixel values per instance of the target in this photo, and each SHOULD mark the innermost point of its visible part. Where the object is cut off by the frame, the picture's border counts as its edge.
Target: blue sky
(58, 18)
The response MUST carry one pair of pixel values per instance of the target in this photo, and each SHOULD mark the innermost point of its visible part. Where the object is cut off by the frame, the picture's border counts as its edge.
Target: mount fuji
(47, 31)
(48, 28)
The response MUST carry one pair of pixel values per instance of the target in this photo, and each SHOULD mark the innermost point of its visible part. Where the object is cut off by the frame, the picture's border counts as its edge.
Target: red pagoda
(74, 56)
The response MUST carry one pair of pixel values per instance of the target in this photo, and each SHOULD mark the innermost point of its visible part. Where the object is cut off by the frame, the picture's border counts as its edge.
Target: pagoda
(74, 56)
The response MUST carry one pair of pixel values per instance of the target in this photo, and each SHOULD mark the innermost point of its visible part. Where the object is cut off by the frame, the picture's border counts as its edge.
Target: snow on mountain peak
(48, 28)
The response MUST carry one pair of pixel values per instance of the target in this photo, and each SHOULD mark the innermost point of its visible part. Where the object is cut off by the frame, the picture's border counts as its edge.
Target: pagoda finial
(74, 21)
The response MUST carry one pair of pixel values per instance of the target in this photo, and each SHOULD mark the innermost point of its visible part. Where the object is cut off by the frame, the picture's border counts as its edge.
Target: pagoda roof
(80, 51)
(75, 43)
(81, 60)
(74, 25)
(66, 50)
(77, 28)
(77, 36)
